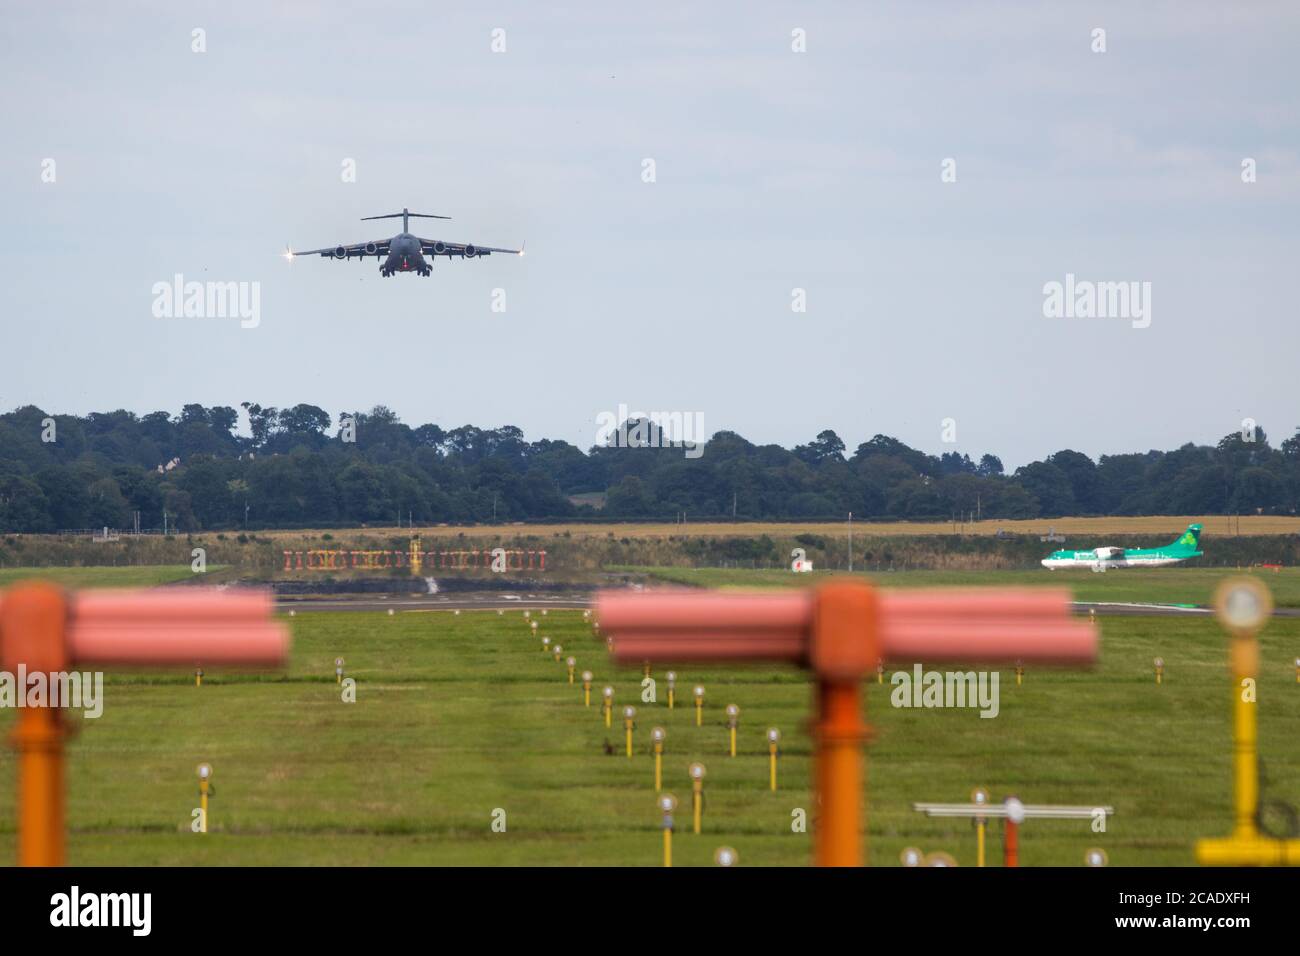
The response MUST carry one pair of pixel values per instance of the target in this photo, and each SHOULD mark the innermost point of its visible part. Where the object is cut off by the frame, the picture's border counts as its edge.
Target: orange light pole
(1015, 815)
(33, 622)
(45, 630)
(839, 631)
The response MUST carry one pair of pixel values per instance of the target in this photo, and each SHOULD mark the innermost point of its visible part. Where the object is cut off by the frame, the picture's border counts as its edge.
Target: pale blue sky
(775, 170)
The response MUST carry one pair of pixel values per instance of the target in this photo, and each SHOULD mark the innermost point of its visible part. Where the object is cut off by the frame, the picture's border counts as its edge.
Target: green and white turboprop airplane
(1102, 559)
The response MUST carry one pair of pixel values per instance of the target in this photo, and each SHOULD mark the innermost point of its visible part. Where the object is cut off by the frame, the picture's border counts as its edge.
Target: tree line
(299, 467)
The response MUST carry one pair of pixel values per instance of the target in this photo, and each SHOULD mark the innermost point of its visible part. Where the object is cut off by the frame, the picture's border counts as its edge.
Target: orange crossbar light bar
(44, 629)
(840, 631)
(985, 625)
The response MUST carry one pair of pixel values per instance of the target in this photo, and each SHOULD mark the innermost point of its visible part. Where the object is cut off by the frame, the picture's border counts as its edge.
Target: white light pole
(850, 542)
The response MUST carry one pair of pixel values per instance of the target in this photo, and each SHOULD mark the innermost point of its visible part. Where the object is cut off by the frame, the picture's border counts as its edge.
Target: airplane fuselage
(1095, 562)
(404, 256)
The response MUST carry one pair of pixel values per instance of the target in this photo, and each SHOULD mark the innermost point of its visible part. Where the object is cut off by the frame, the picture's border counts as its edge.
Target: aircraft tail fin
(1190, 540)
(399, 215)
(405, 215)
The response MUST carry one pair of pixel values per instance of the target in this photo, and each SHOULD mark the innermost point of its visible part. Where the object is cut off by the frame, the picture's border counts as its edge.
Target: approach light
(938, 858)
(1015, 810)
(1243, 604)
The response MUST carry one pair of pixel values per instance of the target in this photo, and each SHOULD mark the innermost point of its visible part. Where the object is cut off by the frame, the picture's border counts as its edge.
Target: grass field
(458, 715)
(149, 575)
(1163, 585)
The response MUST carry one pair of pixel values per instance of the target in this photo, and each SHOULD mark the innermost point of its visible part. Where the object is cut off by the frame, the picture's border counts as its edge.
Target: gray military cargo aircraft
(405, 252)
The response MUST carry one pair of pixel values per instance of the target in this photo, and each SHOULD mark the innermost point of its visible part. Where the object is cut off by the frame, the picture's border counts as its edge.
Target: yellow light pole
(671, 677)
(733, 720)
(1160, 670)
(546, 644)
(1020, 672)
(699, 706)
(557, 651)
(205, 784)
(880, 671)
(657, 737)
(725, 856)
(1244, 606)
(198, 677)
(1297, 670)
(586, 688)
(697, 794)
(608, 694)
(338, 670)
(667, 804)
(571, 663)
(629, 721)
(980, 797)
(645, 669)
(773, 740)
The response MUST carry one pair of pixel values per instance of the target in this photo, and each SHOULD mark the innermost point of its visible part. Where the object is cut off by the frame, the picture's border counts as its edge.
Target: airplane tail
(405, 215)
(1189, 542)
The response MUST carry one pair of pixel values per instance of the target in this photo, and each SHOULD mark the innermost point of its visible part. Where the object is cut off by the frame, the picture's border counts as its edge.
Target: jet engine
(372, 249)
(341, 252)
(470, 251)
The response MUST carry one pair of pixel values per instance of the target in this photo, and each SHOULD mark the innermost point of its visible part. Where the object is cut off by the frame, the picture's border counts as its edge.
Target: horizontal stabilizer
(399, 215)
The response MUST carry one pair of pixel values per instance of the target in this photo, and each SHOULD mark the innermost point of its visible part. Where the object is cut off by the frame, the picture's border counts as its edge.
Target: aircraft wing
(375, 247)
(1109, 554)
(439, 247)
